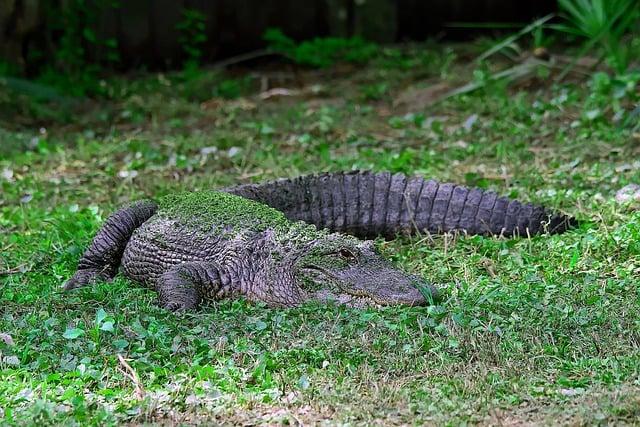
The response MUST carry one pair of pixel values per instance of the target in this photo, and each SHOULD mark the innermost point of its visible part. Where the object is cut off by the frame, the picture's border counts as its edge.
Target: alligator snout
(389, 286)
(416, 292)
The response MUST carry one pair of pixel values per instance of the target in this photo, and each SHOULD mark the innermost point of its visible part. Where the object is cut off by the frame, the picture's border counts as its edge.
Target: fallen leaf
(11, 361)
(233, 151)
(570, 392)
(127, 174)
(471, 120)
(278, 92)
(7, 174)
(7, 339)
(628, 193)
(205, 151)
(212, 104)
(242, 104)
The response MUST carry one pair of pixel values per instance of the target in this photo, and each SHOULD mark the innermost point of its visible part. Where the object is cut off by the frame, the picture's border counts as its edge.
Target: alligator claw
(83, 278)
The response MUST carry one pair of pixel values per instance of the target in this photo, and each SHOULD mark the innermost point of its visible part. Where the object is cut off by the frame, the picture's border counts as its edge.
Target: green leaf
(260, 325)
(120, 344)
(100, 316)
(303, 382)
(107, 326)
(73, 333)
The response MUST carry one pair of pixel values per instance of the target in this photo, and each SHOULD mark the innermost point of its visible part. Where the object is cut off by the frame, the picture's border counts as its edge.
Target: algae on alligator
(288, 241)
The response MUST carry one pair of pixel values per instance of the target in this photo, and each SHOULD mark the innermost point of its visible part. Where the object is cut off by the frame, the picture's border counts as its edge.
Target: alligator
(289, 241)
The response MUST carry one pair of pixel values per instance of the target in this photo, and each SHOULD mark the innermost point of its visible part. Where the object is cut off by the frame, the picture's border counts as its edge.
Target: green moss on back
(213, 208)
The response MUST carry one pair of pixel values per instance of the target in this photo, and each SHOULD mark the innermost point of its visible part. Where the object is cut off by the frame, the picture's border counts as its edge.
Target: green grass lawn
(528, 330)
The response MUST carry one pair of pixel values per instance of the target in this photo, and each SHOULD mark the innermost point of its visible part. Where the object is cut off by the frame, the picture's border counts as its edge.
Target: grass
(541, 331)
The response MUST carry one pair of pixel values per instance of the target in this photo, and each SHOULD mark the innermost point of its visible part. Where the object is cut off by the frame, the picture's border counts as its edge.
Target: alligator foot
(179, 288)
(86, 277)
(101, 259)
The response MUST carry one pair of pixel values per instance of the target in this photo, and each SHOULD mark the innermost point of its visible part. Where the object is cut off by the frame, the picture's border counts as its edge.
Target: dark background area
(146, 33)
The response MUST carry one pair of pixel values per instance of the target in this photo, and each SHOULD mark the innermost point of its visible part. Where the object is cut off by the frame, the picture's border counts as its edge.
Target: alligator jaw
(334, 289)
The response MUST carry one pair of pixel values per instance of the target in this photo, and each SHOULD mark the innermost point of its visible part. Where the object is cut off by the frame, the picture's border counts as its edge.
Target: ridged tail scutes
(368, 204)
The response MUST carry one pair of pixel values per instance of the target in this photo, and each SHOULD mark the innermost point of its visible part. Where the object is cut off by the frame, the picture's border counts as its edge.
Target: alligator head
(352, 272)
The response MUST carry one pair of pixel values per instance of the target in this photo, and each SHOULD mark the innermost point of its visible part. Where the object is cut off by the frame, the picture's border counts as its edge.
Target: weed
(375, 92)
(321, 52)
(79, 54)
(192, 36)
(232, 88)
(602, 23)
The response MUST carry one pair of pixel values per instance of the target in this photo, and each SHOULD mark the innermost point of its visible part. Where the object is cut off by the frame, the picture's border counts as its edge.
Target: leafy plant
(8, 69)
(74, 55)
(231, 88)
(617, 94)
(192, 35)
(374, 92)
(602, 23)
(321, 52)
(279, 42)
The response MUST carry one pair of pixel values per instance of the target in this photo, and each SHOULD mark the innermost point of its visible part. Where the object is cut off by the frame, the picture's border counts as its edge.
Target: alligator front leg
(102, 258)
(185, 285)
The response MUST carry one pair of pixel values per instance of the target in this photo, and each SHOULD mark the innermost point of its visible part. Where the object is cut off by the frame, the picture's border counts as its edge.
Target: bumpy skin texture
(367, 205)
(102, 259)
(213, 245)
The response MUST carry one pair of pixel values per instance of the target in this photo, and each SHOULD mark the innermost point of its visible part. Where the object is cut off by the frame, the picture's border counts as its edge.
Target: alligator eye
(347, 254)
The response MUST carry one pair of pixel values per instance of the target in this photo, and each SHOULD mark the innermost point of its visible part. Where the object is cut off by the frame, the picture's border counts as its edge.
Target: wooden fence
(146, 30)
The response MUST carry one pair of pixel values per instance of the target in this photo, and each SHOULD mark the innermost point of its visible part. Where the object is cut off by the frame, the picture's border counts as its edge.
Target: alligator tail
(102, 258)
(368, 204)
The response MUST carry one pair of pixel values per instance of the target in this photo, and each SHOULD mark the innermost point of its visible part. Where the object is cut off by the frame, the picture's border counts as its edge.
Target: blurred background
(165, 33)
(65, 48)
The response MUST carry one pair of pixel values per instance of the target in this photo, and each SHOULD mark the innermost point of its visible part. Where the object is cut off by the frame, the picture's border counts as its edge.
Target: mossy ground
(540, 330)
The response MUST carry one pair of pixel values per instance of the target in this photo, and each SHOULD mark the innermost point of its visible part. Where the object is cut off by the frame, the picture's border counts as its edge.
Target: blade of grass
(591, 43)
(513, 73)
(507, 41)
